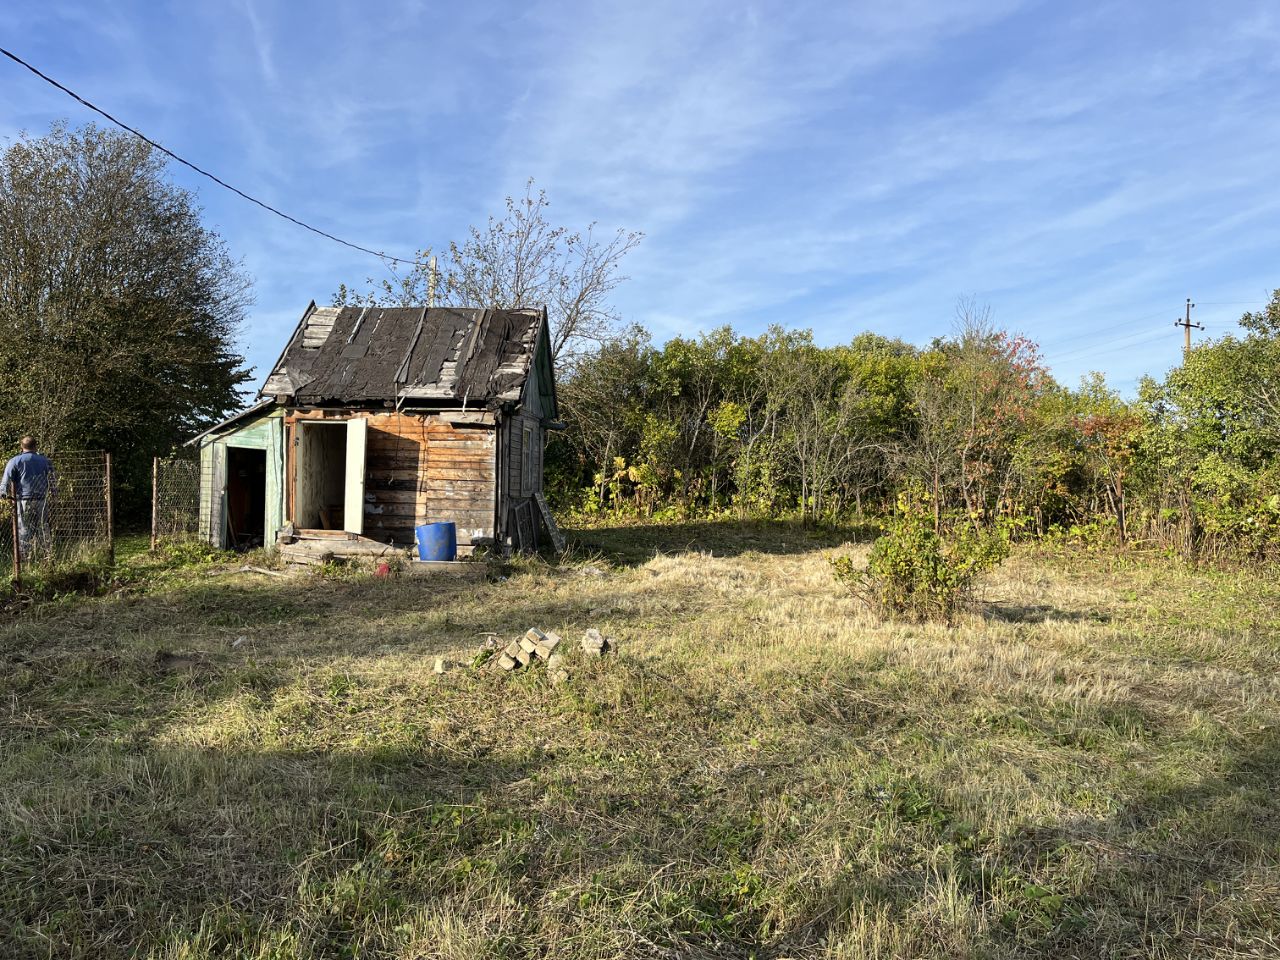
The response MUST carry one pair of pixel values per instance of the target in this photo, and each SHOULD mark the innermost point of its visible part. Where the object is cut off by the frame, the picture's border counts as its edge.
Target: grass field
(1086, 767)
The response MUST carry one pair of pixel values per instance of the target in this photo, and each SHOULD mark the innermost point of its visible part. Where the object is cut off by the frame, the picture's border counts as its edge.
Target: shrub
(919, 573)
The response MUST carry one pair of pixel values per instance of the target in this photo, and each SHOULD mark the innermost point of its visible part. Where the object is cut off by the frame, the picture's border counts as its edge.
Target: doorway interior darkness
(246, 498)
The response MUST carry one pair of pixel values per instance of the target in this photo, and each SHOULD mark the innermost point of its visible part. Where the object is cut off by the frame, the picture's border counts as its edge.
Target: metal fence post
(155, 500)
(111, 534)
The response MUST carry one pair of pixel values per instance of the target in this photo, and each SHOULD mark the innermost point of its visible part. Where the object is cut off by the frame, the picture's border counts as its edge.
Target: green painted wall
(263, 433)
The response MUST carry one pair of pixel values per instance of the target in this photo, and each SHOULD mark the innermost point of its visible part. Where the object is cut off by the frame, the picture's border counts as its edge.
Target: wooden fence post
(155, 499)
(111, 531)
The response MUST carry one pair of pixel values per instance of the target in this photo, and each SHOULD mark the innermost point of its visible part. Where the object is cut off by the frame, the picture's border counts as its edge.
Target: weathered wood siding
(264, 433)
(213, 459)
(523, 437)
(421, 468)
(524, 467)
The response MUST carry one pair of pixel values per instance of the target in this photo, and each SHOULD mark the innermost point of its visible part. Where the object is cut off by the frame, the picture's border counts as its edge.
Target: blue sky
(1080, 167)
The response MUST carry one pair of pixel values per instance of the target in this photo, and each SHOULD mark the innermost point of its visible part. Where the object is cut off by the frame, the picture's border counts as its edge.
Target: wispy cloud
(261, 41)
(654, 107)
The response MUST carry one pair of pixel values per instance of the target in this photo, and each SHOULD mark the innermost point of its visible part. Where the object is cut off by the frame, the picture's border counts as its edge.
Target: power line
(1076, 354)
(1090, 356)
(1059, 343)
(1109, 346)
(1123, 341)
(204, 173)
(1124, 324)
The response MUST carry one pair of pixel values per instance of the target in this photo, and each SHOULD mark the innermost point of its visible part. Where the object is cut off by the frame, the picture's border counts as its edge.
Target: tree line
(726, 424)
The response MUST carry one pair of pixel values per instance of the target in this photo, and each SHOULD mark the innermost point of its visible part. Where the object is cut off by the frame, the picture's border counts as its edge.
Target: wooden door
(218, 504)
(353, 500)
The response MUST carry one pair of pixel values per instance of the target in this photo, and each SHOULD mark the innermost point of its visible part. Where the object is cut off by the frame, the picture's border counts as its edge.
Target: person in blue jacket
(28, 481)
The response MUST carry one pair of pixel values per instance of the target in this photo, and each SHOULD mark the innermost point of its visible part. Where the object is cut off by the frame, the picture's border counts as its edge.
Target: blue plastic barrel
(437, 541)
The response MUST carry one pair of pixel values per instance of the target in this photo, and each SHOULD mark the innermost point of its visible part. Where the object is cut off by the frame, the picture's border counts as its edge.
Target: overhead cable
(200, 170)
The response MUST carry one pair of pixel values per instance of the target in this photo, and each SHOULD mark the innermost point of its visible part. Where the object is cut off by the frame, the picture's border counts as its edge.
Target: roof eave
(235, 418)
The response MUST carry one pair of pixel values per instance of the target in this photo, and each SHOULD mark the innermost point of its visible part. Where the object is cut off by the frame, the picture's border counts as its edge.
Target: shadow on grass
(366, 820)
(633, 544)
(94, 663)
(213, 852)
(536, 816)
(1041, 613)
(1210, 844)
(1180, 870)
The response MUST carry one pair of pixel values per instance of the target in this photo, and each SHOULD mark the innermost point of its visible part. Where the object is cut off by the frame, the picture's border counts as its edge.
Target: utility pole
(1187, 327)
(431, 283)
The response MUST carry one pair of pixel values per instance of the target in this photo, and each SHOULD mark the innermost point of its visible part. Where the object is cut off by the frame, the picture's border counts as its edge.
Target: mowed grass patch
(238, 765)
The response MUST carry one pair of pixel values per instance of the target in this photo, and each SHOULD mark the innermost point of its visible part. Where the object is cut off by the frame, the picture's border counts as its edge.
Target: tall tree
(519, 259)
(118, 308)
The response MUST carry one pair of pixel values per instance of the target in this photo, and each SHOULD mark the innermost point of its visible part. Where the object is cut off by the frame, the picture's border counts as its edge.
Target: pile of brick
(534, 645)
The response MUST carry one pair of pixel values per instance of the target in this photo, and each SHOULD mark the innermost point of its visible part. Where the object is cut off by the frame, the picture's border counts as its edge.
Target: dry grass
(1089, 767)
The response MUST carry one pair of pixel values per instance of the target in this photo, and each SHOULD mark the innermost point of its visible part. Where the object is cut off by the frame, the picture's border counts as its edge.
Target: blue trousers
(33, 527)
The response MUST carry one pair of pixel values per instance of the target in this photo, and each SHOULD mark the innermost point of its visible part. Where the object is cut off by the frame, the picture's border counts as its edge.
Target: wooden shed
(376, 420)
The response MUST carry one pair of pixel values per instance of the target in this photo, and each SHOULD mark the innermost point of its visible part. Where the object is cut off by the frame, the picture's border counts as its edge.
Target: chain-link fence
(65, 519)
(175, 499)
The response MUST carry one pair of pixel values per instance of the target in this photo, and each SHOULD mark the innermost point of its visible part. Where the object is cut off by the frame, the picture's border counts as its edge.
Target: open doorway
(246, 498)
(321, 476)
(328, 474)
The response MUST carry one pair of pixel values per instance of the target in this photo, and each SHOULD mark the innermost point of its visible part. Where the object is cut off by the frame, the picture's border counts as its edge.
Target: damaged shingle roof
(351, 355)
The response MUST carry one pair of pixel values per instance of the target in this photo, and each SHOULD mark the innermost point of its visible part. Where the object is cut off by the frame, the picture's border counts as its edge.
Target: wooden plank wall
(210, 492)
(423, 468)
(518, 505)
(264, 433)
